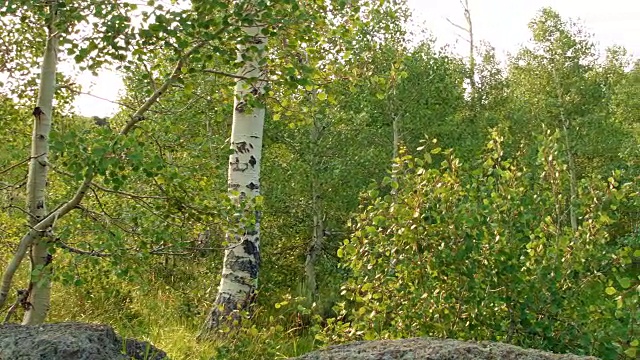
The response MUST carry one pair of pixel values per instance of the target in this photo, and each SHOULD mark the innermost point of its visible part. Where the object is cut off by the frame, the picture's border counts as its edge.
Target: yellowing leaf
(610, 290)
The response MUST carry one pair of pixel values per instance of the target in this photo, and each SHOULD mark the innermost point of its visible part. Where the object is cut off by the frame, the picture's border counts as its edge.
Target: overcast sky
(503, 23)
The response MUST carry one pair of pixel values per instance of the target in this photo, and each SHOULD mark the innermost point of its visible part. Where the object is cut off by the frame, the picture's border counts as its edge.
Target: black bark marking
(252, 186)
(252, 161)
(251, 266)
(236, 165)
(241, 106)
(242, 147)
(48, 260)
(40, 204)
(234, 186)
(37, 112)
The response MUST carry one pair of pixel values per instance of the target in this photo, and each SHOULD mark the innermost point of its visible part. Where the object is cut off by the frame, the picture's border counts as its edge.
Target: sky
(503, 23)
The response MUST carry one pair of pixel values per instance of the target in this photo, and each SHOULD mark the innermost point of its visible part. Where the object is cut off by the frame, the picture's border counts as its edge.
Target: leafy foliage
(471, 243)
(485, 252)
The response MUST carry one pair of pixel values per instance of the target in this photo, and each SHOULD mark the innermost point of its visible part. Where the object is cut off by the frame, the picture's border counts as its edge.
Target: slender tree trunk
(472, 49)
(49, 221)
(395, 128)
(573, 182)
(40, 282)
(469, 30)
(395, 125)
(242, 256)
(573, 191)
(317, 238)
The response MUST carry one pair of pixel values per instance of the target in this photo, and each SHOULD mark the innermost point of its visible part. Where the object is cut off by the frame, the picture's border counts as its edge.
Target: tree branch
(94, 253)
(19, 163)
(44, 225)
(175, 74)
(458, 26)
(212, 71)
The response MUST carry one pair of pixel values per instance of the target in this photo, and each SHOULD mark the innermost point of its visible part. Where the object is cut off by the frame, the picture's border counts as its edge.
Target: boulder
(71, 341)
(432, 349)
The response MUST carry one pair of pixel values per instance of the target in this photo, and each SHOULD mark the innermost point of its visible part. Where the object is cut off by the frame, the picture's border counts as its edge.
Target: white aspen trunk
(470, 40)
(317, 237)
(40, 283)
(49, 221)
(472, 59)
(242, 255)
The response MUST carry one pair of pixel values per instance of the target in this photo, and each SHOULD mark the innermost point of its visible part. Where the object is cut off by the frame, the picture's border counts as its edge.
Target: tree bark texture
(48, 222)
(40, 283)
(241, 263)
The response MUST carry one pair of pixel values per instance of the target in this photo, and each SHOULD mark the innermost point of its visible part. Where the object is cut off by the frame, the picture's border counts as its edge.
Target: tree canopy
(294, 174)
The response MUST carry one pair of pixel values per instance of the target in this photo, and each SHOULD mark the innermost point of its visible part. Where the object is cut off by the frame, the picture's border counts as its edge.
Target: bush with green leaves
(487, 252)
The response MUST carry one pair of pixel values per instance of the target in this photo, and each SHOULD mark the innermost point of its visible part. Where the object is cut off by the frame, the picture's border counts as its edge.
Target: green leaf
(625, 282)
(610, 290)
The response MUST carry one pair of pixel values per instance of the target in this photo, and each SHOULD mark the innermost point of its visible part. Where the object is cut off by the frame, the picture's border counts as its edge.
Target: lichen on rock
(432, 349)
(71, 341)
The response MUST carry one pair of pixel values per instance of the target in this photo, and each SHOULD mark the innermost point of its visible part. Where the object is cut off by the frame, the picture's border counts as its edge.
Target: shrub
(488, 253)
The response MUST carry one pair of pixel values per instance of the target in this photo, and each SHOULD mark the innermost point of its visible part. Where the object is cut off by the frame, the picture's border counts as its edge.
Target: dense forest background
(404, 190)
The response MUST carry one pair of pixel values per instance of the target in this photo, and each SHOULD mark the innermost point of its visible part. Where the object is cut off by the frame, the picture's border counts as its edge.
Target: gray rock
(71, 341)
(432, 349)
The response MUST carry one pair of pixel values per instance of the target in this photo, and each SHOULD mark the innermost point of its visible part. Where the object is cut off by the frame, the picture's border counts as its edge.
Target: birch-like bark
(470, 40)
(241, 262)
(49, 221)
(40, 282)
(472, 58)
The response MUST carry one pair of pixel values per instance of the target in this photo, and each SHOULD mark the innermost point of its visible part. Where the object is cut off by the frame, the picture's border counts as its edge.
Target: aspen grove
(281, 175)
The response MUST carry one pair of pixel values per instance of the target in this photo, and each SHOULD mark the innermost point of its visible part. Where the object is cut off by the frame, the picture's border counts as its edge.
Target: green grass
(157, 314)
